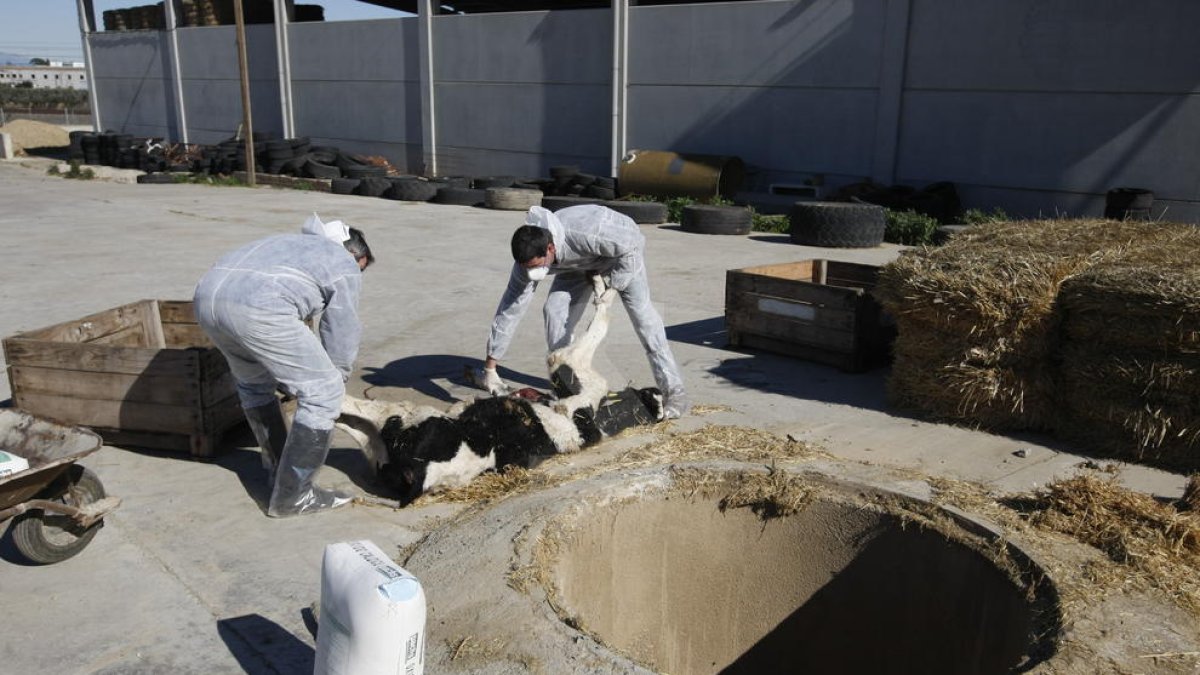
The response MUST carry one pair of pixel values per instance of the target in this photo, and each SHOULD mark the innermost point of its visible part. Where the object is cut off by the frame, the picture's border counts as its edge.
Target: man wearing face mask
(575, 245)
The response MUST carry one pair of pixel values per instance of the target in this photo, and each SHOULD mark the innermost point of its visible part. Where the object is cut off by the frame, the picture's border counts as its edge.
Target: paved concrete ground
(189, 576)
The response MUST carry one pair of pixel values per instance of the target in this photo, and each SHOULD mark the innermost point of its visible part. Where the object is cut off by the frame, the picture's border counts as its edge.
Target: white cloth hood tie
(335, 230)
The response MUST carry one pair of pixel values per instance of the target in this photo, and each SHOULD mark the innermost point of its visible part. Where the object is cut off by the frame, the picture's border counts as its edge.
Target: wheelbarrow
(57, 506)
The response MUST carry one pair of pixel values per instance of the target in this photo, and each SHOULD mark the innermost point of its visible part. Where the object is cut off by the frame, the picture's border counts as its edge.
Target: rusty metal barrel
(663, 173)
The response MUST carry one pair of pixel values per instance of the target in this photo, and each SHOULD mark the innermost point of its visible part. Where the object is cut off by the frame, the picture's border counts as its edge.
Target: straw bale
(1145, 433)
(1147, 298)
(987, 396)
(1094, 372)
(1191, 494)
(981, 320)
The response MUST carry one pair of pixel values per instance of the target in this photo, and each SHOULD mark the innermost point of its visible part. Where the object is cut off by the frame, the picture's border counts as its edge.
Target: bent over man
(575, 244)
(254, 304)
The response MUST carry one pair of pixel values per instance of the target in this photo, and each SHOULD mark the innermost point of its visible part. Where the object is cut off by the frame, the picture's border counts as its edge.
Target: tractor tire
(460, 196)
(708, 219)
(561, 202)
(837, 224)
(512, 199)
(413, 190)
(643, 213)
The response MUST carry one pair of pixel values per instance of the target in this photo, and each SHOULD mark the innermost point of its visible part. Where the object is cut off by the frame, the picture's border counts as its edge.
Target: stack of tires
(936, 200)
(569, 181)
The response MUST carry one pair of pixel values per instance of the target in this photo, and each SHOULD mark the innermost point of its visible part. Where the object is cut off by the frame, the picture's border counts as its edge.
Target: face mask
(538, 273)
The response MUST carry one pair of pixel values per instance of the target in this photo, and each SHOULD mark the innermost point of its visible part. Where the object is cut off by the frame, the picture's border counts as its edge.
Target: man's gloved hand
(676, 404)
(490, 380)
(598, 287)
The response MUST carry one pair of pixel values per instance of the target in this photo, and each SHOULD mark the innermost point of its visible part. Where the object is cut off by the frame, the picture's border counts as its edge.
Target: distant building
(57, 75)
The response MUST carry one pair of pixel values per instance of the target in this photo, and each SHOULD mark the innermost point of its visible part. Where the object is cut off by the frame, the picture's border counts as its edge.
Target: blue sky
(50, 28)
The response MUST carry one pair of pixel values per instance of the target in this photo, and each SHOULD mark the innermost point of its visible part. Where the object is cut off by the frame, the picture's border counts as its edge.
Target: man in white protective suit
(575, 244)
(254, 304)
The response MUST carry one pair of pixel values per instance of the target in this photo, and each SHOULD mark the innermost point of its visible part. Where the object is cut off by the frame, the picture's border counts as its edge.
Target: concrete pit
(681, 586)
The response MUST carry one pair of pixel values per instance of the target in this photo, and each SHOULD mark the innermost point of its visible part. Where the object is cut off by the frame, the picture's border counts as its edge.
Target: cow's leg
(579, 354)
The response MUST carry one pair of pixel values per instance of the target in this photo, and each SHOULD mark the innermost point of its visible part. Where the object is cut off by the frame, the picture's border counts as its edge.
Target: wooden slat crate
(819, 310)
(142, 374)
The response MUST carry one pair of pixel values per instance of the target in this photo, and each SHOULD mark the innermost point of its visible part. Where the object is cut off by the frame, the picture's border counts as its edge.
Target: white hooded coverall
(588, 238)
(254, 303)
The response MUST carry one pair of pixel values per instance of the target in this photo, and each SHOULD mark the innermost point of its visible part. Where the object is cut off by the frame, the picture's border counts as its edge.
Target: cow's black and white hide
(419, 451)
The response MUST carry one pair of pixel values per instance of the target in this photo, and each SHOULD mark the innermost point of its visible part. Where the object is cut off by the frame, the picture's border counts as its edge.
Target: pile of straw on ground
(993, 324)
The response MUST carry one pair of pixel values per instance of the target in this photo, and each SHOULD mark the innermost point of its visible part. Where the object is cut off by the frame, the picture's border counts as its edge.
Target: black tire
(583, 179)
(512, 199)
(344, 186)
(315, 169)
(708, 219)
(47, 538)
(373, 186)
(156, 179)
(605, 182)
(485, 182)
(599, 192)
(643, 213)
(555, 203)
(460, 196)
(455, 181)
(837, 224)
(1128, 204)
(413, 190)
(294, 166)
(565, 171)
(363, 171)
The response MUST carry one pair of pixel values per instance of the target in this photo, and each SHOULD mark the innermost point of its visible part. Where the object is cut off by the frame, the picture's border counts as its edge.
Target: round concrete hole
(840, 587)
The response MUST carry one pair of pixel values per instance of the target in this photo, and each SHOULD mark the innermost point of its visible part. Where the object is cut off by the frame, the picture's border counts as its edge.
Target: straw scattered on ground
(1153, 544)
(716, 442)
(510, 480)
(774, 494)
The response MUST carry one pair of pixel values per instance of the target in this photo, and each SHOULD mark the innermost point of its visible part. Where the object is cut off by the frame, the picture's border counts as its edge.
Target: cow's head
(405, 476)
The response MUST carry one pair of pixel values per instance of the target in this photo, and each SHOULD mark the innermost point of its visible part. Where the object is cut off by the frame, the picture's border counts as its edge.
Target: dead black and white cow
(418, 449)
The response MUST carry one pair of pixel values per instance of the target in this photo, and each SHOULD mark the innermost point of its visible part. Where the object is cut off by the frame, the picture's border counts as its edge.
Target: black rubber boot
(303, 455)
(266, 421)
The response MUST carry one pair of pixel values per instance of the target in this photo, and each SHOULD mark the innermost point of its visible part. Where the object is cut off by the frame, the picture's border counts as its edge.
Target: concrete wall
(356, 86)
(519, 92)
(212, 93)
(132, 88)
(1044, 105)
(1032, 106)
(790, 87)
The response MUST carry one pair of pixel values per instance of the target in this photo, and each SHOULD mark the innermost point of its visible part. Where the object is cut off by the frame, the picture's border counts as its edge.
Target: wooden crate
(142, 374)
(819, 310)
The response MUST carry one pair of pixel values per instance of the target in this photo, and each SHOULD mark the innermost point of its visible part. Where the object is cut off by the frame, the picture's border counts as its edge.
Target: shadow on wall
(157, 46)
(777, 135)
(263, 647)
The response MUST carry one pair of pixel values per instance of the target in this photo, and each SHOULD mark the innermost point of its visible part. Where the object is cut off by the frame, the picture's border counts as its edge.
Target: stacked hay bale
(979, 323)
(1131, 352)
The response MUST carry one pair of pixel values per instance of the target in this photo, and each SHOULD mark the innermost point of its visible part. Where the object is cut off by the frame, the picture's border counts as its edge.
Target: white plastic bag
(10, 463)
(372, 619)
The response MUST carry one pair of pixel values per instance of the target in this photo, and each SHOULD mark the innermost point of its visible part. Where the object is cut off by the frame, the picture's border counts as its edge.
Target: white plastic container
(10, 464)
(372, 619)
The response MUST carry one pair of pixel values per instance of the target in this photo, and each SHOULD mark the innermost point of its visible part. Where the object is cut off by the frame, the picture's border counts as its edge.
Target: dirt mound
(30, 134)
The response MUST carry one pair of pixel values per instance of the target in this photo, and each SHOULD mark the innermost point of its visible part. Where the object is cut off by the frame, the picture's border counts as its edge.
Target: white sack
(372, 619)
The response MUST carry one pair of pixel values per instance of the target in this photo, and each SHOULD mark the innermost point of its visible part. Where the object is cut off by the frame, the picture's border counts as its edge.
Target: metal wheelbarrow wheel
(45, 537)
